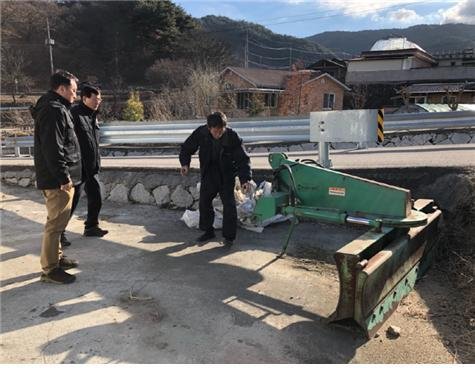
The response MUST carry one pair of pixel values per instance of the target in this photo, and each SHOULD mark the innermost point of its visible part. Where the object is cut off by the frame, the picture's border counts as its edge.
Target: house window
(328, 101)
(445, 100)
(418, 100)
(270, 100)
(243, 100)
(228, 87)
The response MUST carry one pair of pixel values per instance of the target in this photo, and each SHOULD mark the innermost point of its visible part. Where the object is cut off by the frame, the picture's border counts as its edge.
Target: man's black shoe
(95, 231)
(58, 276)
(66, 263)
(228, 243)
(64, 241)
(206, 236)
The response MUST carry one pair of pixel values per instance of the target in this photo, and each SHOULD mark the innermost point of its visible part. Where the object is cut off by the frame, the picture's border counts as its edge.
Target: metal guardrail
(14, 108)
(279, 130)
(288, 130)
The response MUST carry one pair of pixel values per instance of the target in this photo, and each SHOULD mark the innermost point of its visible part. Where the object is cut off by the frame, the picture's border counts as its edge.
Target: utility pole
(290, 58)
(50, 42)
(246, 50)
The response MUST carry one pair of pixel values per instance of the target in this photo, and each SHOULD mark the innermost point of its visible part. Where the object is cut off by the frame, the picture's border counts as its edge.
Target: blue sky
(301, 18)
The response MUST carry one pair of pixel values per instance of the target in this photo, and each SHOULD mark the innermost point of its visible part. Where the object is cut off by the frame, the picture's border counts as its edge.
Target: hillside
(266, 49)
(432, 38)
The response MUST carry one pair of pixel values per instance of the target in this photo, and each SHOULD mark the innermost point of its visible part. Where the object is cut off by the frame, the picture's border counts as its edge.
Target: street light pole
(49, 42)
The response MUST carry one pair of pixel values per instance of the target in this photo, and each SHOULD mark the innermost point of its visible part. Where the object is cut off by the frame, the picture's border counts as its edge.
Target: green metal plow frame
(380, 267)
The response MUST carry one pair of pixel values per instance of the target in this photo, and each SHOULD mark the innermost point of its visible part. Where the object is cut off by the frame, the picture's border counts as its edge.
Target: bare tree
(168, 73)
(196, 99)
(454, 96)
(204, 85)
(405, 95)
(358, 96)
(14, 78)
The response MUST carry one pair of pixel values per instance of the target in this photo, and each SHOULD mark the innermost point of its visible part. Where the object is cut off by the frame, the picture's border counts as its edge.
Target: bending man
(222, 158)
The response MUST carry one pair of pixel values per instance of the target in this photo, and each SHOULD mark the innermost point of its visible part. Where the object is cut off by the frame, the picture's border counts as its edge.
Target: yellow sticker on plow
(337, 191)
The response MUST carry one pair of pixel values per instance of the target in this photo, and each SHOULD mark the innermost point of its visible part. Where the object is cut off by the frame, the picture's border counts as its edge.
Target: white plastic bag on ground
(245, 205)
(192, 219)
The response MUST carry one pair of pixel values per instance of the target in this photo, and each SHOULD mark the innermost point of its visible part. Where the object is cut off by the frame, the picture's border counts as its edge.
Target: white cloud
(462, 12)
(363, 8)
(404, 16)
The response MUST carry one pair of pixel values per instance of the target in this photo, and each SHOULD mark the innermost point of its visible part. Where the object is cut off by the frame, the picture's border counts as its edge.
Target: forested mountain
(432, 38)
(116, 42)
(264, 48)
(124, 44)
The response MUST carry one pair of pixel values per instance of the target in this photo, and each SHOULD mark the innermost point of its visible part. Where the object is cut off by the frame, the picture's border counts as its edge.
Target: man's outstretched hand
(184, 170)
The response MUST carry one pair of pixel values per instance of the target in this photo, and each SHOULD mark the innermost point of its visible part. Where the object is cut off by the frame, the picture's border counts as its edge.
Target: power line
(327, 15)
(288, 48)
(269, 66)
(266, 47)
(340, 14)
(268, 57)
(355, 6)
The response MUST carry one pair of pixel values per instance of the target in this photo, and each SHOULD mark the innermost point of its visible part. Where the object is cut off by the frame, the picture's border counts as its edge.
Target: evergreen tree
(133, 110)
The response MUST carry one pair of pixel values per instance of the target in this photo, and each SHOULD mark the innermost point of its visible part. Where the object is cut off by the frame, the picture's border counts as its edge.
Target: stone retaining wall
(164, 188)
(167, 188)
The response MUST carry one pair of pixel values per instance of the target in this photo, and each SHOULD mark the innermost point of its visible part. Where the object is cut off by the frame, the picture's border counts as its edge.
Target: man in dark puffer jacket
(87, 130)
(222, 158)
(58, 169)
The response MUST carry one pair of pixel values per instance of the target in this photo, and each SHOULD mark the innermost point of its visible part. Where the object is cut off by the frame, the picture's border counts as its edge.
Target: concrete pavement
(146, 293)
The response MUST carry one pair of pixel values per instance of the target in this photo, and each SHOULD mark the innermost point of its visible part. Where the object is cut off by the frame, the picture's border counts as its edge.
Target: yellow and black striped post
(380, 125)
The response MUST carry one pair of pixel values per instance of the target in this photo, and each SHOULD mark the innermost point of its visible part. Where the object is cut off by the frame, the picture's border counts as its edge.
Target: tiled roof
(262, 78)
(395, 43)
(439, 87)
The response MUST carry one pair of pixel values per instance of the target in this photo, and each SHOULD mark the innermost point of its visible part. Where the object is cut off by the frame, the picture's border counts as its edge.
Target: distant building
(335, 67)
(398, 64)
(269, 92)
(441, 93)
(465, 57)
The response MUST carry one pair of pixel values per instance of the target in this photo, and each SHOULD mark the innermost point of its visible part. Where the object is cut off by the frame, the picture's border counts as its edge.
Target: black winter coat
(57, 152)
(233, 159)
(87, 131)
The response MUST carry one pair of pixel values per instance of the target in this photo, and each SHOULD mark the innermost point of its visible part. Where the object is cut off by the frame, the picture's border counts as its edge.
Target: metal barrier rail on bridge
(278, 130)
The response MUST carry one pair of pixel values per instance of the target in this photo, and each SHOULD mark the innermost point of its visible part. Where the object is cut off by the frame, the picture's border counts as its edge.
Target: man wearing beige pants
(58, 169)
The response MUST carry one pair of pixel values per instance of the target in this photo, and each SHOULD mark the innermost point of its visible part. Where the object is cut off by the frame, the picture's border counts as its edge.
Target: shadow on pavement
(172, 306)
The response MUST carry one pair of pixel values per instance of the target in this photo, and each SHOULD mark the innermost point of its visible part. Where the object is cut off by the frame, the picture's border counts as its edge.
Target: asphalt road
(462, 155)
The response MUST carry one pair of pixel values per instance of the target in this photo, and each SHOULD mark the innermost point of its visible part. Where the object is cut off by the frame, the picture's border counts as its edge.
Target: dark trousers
(213, 183)
(94, 200)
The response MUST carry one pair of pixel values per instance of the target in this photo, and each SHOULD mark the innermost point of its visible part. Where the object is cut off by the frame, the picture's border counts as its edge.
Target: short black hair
(61, 78)
(88, 89)
(217, 120)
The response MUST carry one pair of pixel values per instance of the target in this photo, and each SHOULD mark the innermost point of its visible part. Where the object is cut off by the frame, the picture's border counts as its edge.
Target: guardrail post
(324, 155)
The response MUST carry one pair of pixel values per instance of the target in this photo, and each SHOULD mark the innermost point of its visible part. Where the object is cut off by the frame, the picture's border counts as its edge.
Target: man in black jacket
(222, 158)
(58, 169)
(87, 130)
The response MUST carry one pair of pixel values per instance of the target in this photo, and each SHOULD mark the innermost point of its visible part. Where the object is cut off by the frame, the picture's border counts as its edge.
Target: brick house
(268, 92)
